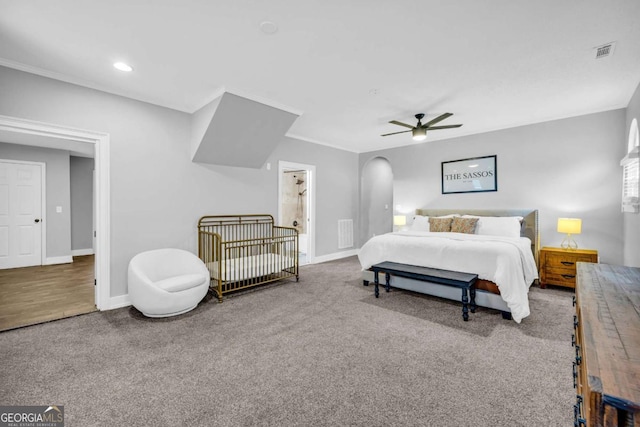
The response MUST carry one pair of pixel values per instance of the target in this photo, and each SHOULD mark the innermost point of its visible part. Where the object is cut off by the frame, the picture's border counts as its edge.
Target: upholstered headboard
(529, 227)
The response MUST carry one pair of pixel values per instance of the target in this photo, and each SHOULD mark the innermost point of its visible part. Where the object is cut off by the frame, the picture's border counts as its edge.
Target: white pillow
(420, 223)
(507, 226)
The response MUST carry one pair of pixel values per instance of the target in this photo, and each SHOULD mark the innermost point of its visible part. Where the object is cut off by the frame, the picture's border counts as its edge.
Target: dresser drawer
(562, 278)
(566, 260)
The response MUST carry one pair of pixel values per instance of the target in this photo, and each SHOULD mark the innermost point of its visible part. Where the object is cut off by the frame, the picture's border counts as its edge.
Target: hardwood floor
(33, 295)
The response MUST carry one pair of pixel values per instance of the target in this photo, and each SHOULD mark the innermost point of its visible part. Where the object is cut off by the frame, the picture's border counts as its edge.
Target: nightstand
(558, 266)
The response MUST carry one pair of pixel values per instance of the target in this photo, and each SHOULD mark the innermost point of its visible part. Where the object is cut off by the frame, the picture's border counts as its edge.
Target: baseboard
(68, 259)
(334, 256)
(124, 300)
(118, 302)
(82, 252)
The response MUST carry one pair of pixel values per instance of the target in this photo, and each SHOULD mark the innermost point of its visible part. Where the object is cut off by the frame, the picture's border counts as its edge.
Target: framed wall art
(477, 174)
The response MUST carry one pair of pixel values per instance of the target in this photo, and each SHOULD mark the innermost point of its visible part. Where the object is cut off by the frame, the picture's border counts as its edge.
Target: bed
(243, 251)
(502, 250)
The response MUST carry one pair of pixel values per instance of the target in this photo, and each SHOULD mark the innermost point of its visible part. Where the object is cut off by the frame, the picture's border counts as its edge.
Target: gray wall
(157, 193)
(57, 191)
(566, 167)
(336, 187)
(81, 171)
(632, 220)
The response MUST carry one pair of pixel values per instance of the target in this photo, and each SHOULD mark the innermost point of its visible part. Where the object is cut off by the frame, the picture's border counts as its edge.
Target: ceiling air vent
(605, 50)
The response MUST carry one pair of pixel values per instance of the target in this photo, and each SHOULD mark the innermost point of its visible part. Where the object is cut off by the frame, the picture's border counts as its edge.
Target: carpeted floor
(321, 352)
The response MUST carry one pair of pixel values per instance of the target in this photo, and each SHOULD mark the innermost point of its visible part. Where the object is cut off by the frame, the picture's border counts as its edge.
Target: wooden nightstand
(558, 266)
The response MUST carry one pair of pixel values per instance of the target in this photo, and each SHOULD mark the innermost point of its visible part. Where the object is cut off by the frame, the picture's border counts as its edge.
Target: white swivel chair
(167, 282)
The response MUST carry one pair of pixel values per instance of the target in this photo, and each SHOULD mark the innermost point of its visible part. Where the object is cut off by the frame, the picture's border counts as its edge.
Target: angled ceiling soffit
(233, 130)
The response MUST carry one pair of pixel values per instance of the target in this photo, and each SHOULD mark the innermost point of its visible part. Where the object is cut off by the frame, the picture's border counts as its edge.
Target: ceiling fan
(419, 131)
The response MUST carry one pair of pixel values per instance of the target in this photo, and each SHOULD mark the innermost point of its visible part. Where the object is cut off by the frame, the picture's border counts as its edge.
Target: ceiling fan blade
(395, 133)
(395, 122)
(437, 119)
(443, 127)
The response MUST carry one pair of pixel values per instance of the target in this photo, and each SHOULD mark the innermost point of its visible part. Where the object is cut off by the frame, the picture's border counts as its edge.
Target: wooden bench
(464, 281)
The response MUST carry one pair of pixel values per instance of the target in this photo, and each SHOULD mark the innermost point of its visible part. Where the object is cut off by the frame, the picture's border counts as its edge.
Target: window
(631, 172)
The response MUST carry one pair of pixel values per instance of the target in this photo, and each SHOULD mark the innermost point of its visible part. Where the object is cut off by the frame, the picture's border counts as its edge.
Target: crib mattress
(237, 269)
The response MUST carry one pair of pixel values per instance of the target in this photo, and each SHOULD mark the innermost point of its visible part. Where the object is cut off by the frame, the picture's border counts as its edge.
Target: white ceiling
(348, 66)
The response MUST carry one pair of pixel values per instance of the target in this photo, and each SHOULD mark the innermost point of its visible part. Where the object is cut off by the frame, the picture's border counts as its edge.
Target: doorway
(376, 198)
(296, 205)
(45, 192)
(28, 132)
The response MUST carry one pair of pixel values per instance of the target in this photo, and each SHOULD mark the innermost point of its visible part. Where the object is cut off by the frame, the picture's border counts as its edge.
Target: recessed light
(123, 67)
(268, 27)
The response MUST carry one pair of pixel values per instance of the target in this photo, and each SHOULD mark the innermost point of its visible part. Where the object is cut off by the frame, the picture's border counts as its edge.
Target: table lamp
(399, 220)
(569, 226)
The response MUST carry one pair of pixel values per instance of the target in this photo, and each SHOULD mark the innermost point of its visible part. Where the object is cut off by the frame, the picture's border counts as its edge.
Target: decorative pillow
(420, 223)
(464, 225)
(507, 226)
(439, 225)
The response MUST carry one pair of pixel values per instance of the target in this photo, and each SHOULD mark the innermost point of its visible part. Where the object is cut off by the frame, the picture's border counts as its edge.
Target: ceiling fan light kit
(419, 134)
(419, 131)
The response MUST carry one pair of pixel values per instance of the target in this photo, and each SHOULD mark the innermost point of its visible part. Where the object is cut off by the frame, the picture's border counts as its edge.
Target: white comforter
(506, 261)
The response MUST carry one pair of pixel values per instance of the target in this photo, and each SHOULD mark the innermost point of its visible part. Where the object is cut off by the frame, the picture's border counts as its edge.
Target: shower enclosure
(294, 205)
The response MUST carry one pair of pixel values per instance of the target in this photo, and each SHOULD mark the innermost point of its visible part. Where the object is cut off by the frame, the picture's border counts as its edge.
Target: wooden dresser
(558, 266)
(606, 369)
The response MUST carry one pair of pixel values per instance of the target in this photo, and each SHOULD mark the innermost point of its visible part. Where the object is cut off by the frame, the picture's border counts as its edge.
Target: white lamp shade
(399, 220)
(570, 225)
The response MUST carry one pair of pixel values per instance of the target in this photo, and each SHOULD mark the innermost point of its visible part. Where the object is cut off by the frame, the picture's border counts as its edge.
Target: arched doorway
(376, 198)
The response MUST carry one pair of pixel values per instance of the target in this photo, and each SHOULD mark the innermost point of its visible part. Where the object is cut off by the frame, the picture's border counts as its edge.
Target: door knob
(36, 220)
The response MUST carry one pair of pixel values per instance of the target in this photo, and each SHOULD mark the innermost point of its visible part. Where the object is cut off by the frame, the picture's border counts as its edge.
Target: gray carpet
(320, 352)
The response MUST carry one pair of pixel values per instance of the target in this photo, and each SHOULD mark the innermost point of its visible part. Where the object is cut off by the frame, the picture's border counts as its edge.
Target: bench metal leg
(465, 305)
(376, 282)
(387, 278)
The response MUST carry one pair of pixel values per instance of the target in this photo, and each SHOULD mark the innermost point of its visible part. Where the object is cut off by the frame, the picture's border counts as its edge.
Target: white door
(20, 214)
